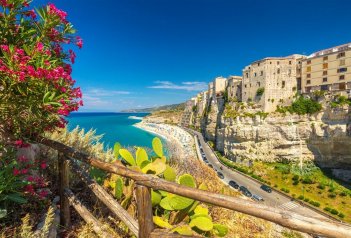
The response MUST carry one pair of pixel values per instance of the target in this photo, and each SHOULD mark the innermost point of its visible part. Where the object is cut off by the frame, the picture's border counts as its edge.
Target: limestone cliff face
(324, 137)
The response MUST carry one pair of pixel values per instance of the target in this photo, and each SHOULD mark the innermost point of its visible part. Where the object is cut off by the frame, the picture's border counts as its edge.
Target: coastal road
(273, 199)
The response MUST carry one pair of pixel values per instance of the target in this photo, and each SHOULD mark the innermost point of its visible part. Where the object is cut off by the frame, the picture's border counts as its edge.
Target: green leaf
(201, 210)
(165, 203)
(157, 167)
(141, 156)
(202, 223)
(157, 146)
(184, 230)
(179, 203)
(155, 197)
(187, 180)
(169, 174)
(127, 156)
(161, 223)
(116, 149)
(220, 230)
(203, 186)
(144, 163)
(15, 197)
(119, 188)
(3, 213)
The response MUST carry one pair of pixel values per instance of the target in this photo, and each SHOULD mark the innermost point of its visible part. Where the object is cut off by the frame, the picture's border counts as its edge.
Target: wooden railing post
(146, 224)
(65, 216)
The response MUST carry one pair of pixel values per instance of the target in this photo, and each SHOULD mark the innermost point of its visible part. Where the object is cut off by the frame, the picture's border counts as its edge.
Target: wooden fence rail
(145, 182)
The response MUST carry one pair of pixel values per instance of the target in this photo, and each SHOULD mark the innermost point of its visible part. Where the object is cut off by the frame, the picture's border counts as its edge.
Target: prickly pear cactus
(176, 213)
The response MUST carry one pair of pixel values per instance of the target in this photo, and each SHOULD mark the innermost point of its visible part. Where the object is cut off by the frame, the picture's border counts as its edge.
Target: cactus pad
(127, 156)
(157, 147)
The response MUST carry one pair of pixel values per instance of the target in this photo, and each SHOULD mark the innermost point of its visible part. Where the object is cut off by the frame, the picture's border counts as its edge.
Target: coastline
(181, 139)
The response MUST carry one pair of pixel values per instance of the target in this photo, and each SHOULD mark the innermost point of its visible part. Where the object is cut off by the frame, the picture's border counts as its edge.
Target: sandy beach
(175, 135)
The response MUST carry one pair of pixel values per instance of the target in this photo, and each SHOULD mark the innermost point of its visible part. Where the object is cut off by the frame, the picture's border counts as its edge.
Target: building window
(342, 62)
(258, 64)
(283, 84)
(261, 73)
(247, 75)
(258, 84)
(341, 77)
(278, 62)
(325, 72)
(341, 54)
(341, 70)
(255, 74)
(325, 65)
(325, 79)
(308, 69)
(342, 86)
(308, 75)
(308, 62)
(270, 62)
(278, 71)
(245, 85)
(325, 58)
(308, 82)
(289, 61)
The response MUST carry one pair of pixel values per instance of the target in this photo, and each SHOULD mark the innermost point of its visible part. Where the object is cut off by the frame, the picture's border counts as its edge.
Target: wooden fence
(144, 227)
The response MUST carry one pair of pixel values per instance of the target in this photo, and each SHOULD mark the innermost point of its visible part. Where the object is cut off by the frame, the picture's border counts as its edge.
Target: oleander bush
(37, 89)
(36, 93)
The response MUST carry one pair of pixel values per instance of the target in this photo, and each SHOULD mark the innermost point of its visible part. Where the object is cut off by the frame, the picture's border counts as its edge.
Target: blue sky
(142, 53)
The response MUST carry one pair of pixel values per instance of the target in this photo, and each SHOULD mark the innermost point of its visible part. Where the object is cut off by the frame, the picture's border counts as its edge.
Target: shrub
(334, 211)
(301, 106)
(307, 180)
(259, 92)
(343, 193)
(306, 199)
(321, 186)
(296, 177)
(35, 70)
(341, 215)
(301, 197)
(332, 195)
(295, 183)
(316, 204)
(327, 209)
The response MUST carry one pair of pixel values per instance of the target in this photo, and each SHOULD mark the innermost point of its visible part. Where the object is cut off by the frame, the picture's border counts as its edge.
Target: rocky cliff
(323, 137)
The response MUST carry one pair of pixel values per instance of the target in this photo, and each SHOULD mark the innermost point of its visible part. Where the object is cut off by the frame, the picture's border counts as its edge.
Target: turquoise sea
(116, 127)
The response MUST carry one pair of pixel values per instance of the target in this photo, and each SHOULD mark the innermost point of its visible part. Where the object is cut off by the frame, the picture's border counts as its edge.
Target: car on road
(257, 198)
(266, 188)
(233, 184)
(220, 175)
(245, 191)
(210, 165)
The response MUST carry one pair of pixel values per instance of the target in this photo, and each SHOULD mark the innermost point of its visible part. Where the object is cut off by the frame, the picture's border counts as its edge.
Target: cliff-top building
(272, 81)
(328, 70)
(234, 87)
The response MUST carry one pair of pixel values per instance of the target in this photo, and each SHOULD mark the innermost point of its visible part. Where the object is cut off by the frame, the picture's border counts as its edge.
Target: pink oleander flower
(79, 42)
(54, 11)
(72, 56)
(39, 47)
(24, 171)
(31, 13)
(5, 48)
(16, 172)
(43, 165)
(43, 193)
(23, 159)
(63, 112)
(29, 189)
